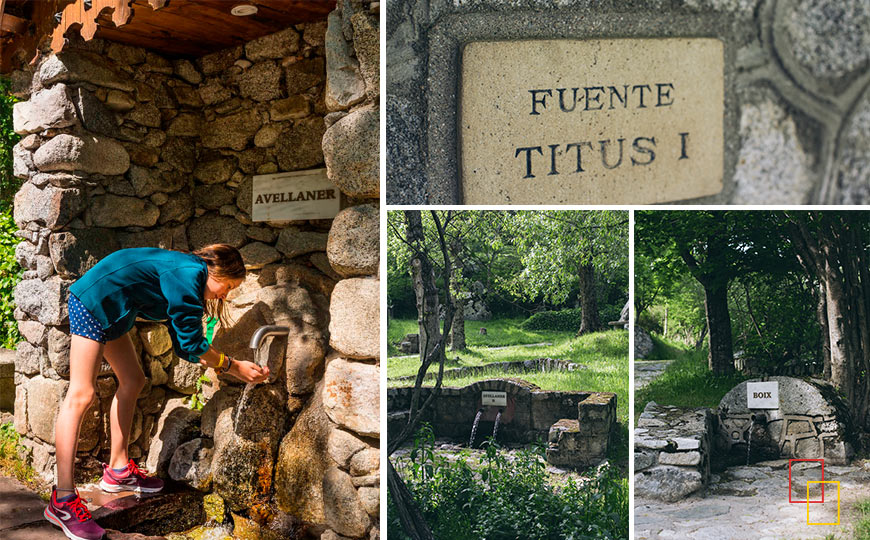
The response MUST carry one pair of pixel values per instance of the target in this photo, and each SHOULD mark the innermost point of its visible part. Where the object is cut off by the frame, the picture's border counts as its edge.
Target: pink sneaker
(133, 479)
(73, 518)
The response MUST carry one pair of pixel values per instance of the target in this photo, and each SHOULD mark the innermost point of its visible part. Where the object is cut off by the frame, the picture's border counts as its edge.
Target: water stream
(495, 428)
(474, 428)
(259, 359)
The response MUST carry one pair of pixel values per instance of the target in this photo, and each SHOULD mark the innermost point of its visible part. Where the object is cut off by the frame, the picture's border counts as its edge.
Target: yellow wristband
(223, 359)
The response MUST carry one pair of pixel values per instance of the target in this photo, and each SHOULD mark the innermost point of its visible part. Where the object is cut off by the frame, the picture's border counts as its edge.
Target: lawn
(499, 333)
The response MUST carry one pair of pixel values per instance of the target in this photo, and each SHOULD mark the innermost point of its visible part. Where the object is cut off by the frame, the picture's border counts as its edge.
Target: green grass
(687, 382)
(665, 349)
(499, 333)
(11, 464)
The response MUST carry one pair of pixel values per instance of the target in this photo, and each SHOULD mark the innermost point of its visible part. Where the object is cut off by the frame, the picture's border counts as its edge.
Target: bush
(502, 498)
(566, 320)
(10, 275)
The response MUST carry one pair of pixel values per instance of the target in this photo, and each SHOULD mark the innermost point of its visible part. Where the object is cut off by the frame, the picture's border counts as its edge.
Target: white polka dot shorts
(82, 322)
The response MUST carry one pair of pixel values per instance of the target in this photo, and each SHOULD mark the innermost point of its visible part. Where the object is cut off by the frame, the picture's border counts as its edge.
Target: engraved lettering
(528, 150)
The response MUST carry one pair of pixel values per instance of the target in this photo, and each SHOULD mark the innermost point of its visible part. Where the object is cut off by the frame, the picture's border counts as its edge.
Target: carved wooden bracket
(75, 14)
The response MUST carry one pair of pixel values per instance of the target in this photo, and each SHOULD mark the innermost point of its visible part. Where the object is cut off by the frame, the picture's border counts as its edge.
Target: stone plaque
(595, 121)
(296, 195)
(762, 395)
(493, 398)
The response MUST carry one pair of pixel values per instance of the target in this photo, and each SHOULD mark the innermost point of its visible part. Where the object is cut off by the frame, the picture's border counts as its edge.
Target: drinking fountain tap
(268, 330)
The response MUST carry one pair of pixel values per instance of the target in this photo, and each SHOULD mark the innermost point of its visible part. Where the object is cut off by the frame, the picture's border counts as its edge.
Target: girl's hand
(249, 371)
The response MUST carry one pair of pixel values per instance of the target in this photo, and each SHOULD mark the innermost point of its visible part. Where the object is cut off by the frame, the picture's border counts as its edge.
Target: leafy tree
(10, 271)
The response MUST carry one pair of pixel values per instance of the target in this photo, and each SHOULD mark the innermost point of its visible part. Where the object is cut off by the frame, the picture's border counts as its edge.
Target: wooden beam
(13, 24)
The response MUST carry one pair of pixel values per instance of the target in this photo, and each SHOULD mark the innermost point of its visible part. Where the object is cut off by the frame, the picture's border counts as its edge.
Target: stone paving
(751, 502)
(645, 371)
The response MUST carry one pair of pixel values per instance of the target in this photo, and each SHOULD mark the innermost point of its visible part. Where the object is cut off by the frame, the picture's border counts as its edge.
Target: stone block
(354, 318)
(350, 396)
(44, 397)
(47, 109)
(353, 247)
(344, 84)
(667, 483)
(351, 152)
(87, 153)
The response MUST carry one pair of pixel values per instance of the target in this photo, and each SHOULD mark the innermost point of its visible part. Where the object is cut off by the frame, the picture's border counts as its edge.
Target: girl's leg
(121, 355)
(84, 361)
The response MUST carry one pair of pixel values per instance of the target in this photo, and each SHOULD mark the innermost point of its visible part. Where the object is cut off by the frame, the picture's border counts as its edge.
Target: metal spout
(267, 331)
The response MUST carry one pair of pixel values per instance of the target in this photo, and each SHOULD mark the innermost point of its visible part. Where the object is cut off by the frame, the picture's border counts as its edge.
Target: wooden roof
(175, 28)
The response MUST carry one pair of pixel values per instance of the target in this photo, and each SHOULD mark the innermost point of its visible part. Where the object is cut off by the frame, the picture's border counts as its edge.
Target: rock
(212, 197)
(365, 462)
(143, 155)
(685, 459)
(217, 62)
(86, 153)
(155, 339)
(183, 375)
(370, 497)
(58, 350)
(46, 396)
(115, 211)
(210, 229)
(853, 156)
(146, 114)
(268, 135)
(119, 101)
(187, 96)
(29, 360)
(344, 85)
(643, 343)
(248, 529)
(180, 153)
(216, 171)
(214, 93)
(321, 262)
(185, 70)
(667, 483)
(234, 131)
(341, 505)
(191, 464)
(81, 66)
(51, 207)
(406, 137)
(262, 82)
(277, 45)
(350, 150)
(34, 332)
(46, 109)
(185, 125)
(125, 54)
(176, 423)
(95, 116)
(302, 462)
(302, 75)
(772, 165)
(342, 446)
(299, 146)
(179, 208)
(43, 300)
(315, 33)
(293, 242)
(830, 39)
(291, 108)
(22, 162)
(366, 44)
(250, 159)
(350, 396)
(73, 254)
(354, 241)
(244, 454)
(305, 353)
(257, 255)
(354, 314)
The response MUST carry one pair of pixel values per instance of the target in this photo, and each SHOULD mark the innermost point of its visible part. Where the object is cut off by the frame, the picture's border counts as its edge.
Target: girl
(154, 284)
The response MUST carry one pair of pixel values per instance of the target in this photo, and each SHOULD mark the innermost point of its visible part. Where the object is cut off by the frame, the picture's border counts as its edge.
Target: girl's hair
(224, 262)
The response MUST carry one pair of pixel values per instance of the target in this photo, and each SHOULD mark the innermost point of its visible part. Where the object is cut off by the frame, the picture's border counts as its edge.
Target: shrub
(10, 275)
(506, 498)
(566, 320)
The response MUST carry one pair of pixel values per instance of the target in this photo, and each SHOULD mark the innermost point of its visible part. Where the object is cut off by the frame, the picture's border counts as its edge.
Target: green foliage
(687, 382)
(10, 275)
(8, 138)
(197, 401)
(501, 498)
(862, 525)
(564, 320)
(665, 349)
(11, 463)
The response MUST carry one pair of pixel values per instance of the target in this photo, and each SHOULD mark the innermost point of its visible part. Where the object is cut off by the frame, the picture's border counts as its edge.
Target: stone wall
(797, 102)
(672, 451)
(125, 148)
(528, 416)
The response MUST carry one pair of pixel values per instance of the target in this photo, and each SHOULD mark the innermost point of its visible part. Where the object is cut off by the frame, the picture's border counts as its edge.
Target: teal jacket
(151, 283)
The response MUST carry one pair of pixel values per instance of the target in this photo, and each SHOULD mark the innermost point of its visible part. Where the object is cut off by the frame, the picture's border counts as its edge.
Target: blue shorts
(83, 323)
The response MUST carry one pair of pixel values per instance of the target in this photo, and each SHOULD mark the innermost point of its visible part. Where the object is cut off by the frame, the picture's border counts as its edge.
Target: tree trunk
(412, 521)
(457, 331)
(838, 321)
(700, 341)
(428, 307)
(721, 357)
(589, 321)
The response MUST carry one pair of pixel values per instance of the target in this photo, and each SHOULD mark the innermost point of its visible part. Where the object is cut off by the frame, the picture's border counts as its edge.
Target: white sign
(762, 395)
(495, 399)
(296, 195)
